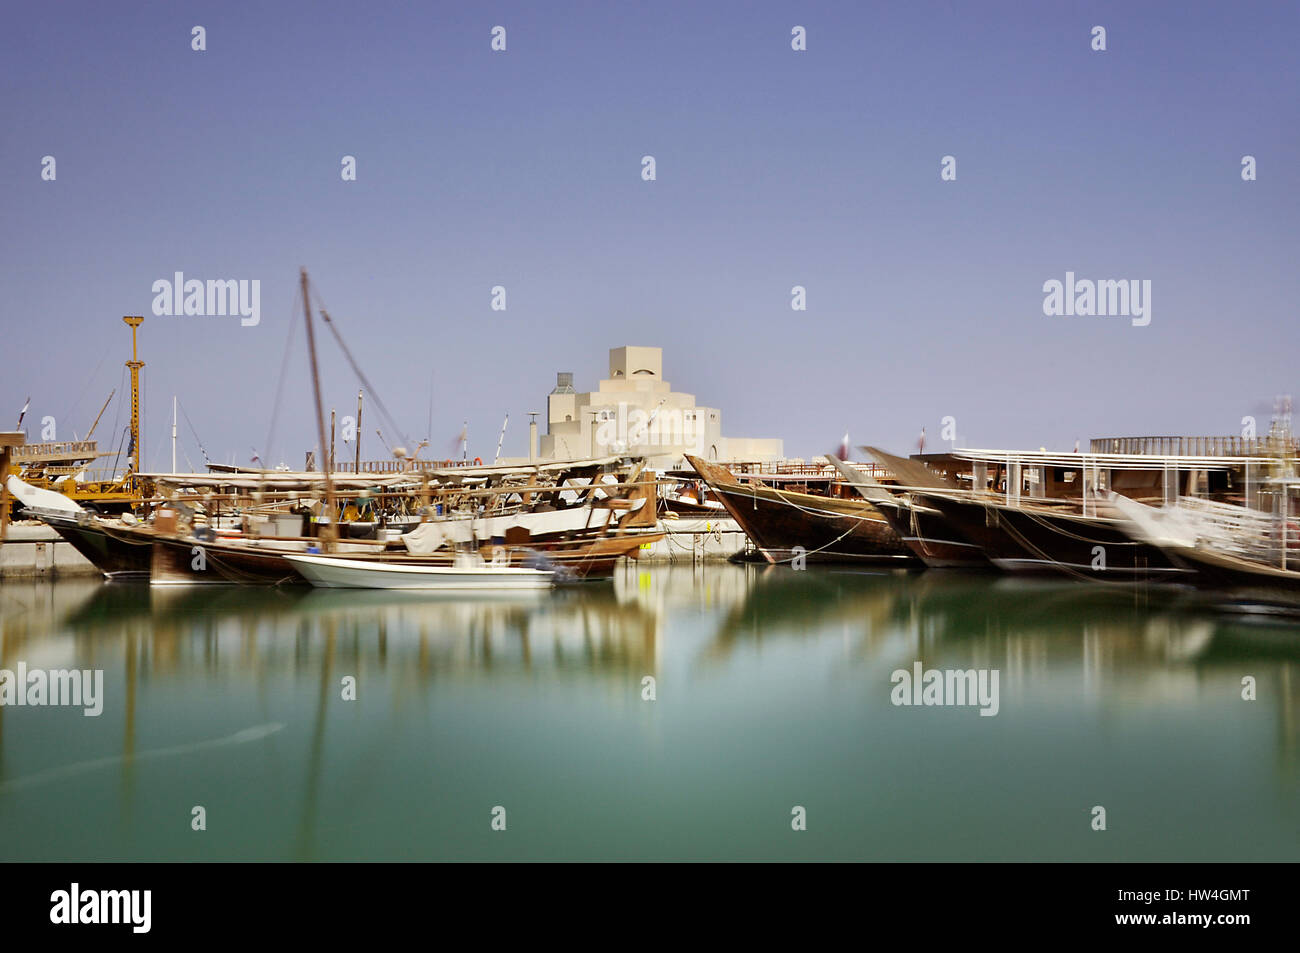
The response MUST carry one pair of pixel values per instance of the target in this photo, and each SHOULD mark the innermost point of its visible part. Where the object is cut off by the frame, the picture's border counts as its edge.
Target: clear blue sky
(775, 168)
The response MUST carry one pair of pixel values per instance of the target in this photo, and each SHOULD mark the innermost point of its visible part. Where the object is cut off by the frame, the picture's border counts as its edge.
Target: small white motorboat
(466, 574)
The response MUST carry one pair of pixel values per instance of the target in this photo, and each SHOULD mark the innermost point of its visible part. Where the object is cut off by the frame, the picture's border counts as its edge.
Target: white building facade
(635, 411)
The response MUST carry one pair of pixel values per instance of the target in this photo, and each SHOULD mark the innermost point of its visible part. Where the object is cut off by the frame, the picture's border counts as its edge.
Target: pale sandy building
(635, 411)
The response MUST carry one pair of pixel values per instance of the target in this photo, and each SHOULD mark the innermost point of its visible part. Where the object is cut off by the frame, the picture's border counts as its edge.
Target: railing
(1240, 530)
(1190, 446)
(374, 466)
(398, 466)
(73, 449)
(780, 468)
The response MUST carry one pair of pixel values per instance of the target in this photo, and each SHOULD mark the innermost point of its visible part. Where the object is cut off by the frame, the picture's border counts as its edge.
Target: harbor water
(681, 712)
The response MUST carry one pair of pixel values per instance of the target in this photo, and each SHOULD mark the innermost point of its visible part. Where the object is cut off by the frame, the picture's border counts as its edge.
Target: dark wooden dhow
(785, 525)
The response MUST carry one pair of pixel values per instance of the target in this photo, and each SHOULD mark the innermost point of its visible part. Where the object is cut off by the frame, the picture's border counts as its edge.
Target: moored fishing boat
(466, 575)
(786, 525)
(186, 559)
(1232, 550)
(117, 556)
(1054, 539)
(931, 537)
(1050, 512)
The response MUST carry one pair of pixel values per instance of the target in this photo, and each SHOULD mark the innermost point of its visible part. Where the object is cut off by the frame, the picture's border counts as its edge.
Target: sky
(774, 168)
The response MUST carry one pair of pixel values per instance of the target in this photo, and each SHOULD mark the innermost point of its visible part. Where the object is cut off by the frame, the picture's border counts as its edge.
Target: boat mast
(173, 433)
(356, 460)
(326, 529)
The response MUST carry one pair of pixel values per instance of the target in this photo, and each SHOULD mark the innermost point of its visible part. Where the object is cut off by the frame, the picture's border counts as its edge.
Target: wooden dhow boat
(1052, 512)
(924, 530)
(1252, 555)
(118, 556)
(786, 524)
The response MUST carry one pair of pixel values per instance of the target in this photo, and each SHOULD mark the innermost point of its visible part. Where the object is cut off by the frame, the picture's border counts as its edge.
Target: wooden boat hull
(931, 537)
(116, 555)
(1035, 540)
(594, 558)
(187, 562)
(1242, 578)
(785, 525)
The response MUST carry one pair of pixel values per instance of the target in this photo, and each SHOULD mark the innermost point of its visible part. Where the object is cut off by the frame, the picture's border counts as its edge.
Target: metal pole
(501, 439)
(173, 433)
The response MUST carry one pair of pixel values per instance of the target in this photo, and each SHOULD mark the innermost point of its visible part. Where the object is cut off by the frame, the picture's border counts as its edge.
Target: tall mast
(357, 459)
(326, 529)
(173, 433)
(134, 321)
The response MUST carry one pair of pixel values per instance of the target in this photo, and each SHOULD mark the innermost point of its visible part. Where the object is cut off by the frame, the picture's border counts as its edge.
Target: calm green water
(772, 690)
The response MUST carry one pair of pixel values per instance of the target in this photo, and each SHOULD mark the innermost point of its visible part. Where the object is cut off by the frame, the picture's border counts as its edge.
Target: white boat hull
(331, 572)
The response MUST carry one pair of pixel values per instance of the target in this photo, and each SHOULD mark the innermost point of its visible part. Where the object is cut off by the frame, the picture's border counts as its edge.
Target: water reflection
(1112, 650)
(1115, 646)
(1160, 636)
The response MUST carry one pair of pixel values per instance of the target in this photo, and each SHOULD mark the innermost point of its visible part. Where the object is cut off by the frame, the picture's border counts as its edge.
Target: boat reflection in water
(770, 687)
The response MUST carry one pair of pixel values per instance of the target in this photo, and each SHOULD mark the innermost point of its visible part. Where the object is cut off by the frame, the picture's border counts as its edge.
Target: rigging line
(117, 409)
(812, 552)
(202, 449)
(161, 445)
(117, 454)
(356, 369)
(267, 449)
(826, 514)
(1065, 532)
(86, 386)
(1068, 569)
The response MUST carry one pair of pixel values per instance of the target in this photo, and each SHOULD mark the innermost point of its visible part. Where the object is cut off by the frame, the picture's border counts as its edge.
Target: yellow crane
(56, 465)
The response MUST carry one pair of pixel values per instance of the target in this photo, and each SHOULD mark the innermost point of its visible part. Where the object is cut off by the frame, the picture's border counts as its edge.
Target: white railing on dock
(1190, 446)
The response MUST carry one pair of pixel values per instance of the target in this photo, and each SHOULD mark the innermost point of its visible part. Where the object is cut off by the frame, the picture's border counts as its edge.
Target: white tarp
(36, 498)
